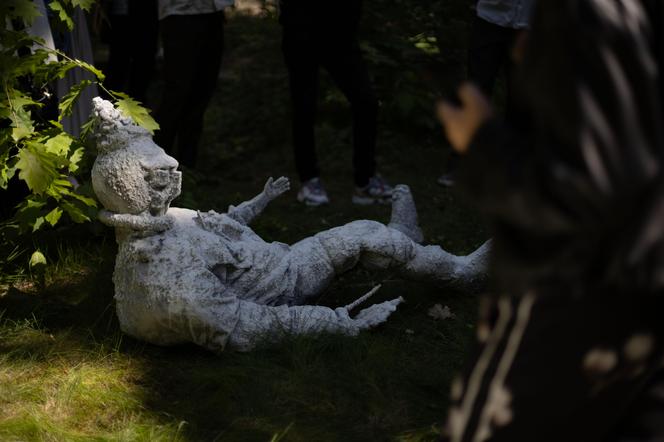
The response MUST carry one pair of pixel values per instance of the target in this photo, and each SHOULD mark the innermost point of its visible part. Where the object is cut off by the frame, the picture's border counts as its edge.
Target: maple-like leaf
(69, 99)
(57, 7)
(36, 167)
(83, 4)
(134, 110)
(59, 144)
(22, 9)
(54, 216)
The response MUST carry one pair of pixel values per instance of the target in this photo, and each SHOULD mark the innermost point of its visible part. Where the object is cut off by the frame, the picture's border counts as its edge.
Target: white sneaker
(312, 193)
(377, 191)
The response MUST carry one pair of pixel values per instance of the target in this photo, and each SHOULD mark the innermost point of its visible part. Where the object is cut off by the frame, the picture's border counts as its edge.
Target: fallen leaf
(440, 313)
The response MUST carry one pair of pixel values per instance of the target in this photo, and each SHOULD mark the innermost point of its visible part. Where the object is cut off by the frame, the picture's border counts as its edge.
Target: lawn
(67, 373)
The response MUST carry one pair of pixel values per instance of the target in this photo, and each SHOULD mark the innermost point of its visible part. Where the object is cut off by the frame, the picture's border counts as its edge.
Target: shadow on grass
(378, 386)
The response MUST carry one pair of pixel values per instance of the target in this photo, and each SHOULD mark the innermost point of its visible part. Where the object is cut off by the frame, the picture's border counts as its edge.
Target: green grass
(67, 373)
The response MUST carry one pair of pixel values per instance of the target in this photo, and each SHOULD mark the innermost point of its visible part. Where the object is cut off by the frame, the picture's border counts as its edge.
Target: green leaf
(21, 120)
(59, 144)
(63, 14)
(88, 67)
(38, 223)
(22, 9)
(7, 169)
(37, 259)
(76, 158)
(54, 216)
(82, 198)
(134, 110)
(36, 167)
(69, 100)
(76, 214)
(83, 4)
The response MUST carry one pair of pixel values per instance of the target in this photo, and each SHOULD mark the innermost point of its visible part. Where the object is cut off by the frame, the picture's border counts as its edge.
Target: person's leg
(344, 61)
(119, 56)
(558, 365)
(300, 54)
(180, 55)
(144, 28)
(487, 53)
(208, 37)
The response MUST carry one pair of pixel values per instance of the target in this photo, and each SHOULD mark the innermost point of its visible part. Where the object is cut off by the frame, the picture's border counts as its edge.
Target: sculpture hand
(274, 188)
(376, 314)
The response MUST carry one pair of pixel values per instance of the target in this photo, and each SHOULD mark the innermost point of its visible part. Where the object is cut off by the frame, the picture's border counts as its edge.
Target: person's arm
(246, 212)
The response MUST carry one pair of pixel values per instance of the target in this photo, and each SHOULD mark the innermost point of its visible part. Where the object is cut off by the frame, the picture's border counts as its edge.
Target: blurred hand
(274, 188)
(462, 122)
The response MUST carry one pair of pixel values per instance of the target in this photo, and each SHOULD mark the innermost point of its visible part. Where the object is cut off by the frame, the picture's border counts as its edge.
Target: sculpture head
(131, 175)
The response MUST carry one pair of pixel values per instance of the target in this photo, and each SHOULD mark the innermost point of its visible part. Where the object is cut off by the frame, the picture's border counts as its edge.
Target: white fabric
(191, 7)
(42, 29)
(513, 14)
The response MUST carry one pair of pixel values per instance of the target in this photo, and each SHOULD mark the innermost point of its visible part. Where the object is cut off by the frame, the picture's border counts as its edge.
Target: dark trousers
(489, 53)
(133, 47)
(305, 52)
(564, 366)
(193, 49)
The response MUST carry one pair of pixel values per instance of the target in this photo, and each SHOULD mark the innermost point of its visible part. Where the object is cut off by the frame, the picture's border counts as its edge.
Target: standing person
(192, 33)
(573, 348)
(324, 34)
(495, 28)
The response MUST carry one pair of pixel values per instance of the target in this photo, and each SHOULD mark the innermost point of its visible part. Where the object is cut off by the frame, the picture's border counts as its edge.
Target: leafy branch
(41, 153)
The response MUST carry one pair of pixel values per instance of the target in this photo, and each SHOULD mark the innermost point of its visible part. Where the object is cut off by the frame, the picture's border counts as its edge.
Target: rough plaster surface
(187, 276)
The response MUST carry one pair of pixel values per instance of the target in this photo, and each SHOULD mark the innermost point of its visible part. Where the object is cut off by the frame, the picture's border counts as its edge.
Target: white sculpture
(186, 276)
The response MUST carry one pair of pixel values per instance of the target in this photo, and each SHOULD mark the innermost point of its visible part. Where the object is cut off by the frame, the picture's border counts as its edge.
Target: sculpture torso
(203, 255)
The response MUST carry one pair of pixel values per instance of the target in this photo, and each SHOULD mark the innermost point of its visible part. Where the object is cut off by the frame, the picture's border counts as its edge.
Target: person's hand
(274, 188)
(462, 122)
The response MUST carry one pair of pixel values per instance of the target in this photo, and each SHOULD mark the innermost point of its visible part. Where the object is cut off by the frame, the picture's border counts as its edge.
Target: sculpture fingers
(377, 314)
(282, 184)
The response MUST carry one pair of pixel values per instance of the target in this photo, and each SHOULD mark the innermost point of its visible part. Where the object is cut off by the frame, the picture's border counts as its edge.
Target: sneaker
(312, 193)
(446, 180)
(377, 191)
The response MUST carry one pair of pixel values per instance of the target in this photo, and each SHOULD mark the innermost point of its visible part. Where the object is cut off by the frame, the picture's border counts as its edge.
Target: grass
(67, 373)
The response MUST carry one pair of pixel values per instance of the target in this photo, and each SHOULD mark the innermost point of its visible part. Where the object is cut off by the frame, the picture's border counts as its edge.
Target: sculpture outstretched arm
(258, 323)
(246, 212)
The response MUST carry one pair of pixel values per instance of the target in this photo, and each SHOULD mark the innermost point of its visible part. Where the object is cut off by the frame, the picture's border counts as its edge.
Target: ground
(67, 373)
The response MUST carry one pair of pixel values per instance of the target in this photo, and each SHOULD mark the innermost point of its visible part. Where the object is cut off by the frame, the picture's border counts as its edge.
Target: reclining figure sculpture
(207, 278)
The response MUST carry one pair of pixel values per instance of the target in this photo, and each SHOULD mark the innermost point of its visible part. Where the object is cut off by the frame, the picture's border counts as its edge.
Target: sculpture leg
(319, 259)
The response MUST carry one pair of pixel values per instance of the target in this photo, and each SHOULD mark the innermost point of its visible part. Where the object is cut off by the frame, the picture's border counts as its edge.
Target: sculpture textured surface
(187, 276)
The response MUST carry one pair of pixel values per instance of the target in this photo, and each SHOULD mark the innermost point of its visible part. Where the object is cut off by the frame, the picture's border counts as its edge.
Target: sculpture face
(139, 179)
(162, 179)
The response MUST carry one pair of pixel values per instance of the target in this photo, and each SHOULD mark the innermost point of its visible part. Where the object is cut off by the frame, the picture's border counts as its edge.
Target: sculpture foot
(404, 214)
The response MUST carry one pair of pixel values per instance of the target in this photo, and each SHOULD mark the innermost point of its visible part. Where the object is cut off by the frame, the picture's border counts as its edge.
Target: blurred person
(495, 28)
(324, 34)
(134, 30)
(76, 44)
(192, 33)
(572, 347)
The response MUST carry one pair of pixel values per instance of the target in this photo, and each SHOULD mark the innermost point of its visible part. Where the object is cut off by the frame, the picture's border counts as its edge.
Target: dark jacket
(578, 198)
